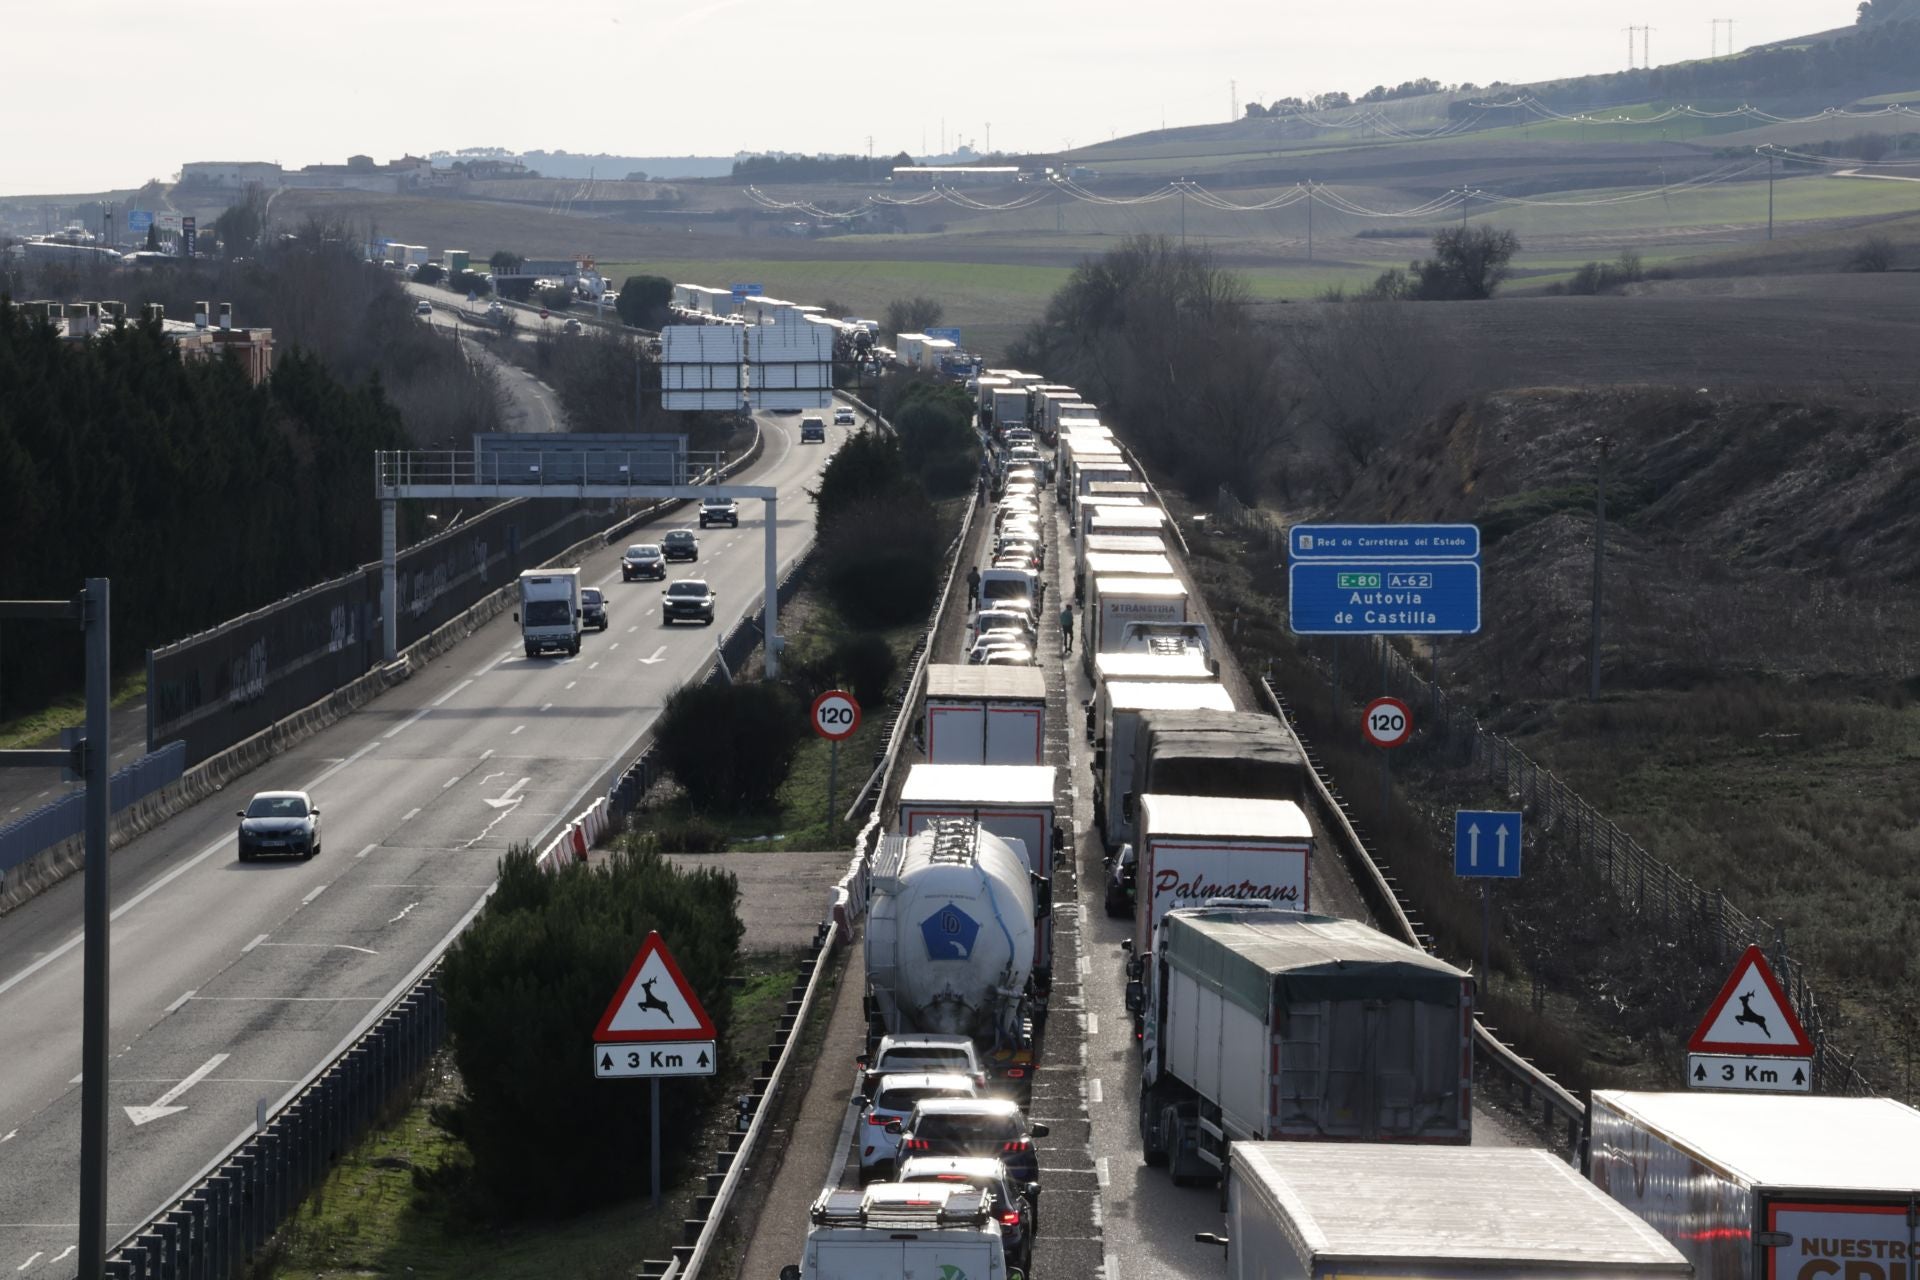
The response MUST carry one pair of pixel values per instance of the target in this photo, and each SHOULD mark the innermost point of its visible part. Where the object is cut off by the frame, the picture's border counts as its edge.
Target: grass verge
(397, 1205)
(66, 712)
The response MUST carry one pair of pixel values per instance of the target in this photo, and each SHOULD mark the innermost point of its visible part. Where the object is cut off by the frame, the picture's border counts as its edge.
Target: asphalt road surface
(231, 983)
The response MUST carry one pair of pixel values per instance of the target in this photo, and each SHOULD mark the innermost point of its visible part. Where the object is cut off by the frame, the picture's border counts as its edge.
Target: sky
(314, 83)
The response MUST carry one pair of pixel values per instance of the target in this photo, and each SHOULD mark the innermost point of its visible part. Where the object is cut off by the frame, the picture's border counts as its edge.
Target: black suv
(680, 544)
(812, 430)
(719, 511)
(689, 598)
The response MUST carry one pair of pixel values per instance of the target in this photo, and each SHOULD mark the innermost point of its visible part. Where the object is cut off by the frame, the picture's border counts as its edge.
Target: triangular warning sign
(1750, 1016)
(654, 1002)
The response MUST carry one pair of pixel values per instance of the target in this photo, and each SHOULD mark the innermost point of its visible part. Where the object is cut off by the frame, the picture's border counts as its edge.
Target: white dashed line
(517, 728)
(251, 945)
(370, 848)
(1085, 965)
(1101, 1173)
(450, 781)
(613, 646)
(1096, 1093)
(486, 753)
(185, 996)
(570, 685)
(547, 706)
(1093, 1025)
(408, 815)
(30, 1261)
(590, 666)
(313, 893)
(449, 693)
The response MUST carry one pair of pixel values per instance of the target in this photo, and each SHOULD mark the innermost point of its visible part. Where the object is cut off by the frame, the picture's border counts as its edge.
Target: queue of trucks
(1316, 1070)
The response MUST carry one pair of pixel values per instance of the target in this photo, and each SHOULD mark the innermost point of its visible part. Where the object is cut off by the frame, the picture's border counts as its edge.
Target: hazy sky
(124, 91)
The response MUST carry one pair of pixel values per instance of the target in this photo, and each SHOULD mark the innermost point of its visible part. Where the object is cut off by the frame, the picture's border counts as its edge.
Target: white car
(920, 1051)
(890, 1229)
(842, 416)
(997, 652)
(892, 1101)
(423, 308)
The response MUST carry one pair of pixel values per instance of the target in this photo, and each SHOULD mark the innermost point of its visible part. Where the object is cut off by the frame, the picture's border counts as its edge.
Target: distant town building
(229, 175)
(211, 334)
(956, 175)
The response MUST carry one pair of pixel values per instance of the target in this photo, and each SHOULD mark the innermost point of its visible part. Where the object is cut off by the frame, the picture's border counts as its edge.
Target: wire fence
(1667, 905)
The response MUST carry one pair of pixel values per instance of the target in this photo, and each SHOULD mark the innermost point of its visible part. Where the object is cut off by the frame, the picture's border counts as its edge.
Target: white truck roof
(1160, 695)
(1149, 564)
(986, 783)
(957, 680)
(1127, 518)
(1138, 587)
(1141, 543)
(1222, 817)
(1775, 1140)
(1408, 1205)
(1133, 665)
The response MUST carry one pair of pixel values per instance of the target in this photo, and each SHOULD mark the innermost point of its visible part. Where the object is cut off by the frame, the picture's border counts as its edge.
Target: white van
(549, 612)
(895, 1229)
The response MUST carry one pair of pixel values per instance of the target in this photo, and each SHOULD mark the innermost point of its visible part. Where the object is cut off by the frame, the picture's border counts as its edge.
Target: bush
(554, 297)
(1468, 263)
(869, 465)
(1875, 253)
(864, 663)
(469, 282)
(880, 561)
(730, 745)
(644, 300)
(524, 986)
(1606, 277)
(430, 273)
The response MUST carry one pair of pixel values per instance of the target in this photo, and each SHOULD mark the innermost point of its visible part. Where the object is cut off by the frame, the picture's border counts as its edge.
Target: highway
(231, 983)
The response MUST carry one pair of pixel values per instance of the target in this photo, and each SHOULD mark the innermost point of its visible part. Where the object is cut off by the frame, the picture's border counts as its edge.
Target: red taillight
(877, 1118)
(916, 1144)
(1010, 1219)
(1017, 1145)
(1015, 1073)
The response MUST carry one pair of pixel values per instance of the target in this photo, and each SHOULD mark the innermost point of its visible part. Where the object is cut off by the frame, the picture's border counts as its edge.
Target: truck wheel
(1175, 1140)
(573, 650)
(533, 651)
(1152, 1150)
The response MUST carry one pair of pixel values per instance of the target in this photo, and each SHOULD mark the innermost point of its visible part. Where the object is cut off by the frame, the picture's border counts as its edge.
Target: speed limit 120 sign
(836, 714)
(1387, 722)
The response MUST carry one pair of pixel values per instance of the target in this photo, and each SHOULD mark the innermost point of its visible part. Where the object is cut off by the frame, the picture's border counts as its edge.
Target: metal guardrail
(65, 818)
(1555, 1098)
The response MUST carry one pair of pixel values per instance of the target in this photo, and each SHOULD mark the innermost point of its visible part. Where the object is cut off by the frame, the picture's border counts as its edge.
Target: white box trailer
(1086, 507)
(1111, 490)
(1118, 707)
(1757, 1186)
(1317, 1211)
(1195, 848)
(1009, 407)
(1128, 520)
(1114, 602)
(1012, 801)
(1133, 563)
(985, 386)
(986, 715)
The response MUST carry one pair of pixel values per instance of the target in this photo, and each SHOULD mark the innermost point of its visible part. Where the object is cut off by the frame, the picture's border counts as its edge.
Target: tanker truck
(950, 939)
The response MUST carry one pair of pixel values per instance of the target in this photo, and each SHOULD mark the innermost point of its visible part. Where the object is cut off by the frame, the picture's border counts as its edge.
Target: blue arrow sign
(1486, 844)
(1383, 542)
(1384, 598)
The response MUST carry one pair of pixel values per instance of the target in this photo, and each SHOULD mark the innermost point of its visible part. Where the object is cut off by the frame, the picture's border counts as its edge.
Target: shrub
(864, 663)
(730, 745)
(1606, 277)
(880, 560)
(869, 465)
(643, 301)
(1875, 253)
(430, 273)
(469, 282)
(525, 985)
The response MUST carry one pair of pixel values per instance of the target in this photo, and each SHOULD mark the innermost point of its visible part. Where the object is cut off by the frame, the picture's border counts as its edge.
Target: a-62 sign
(836, 714)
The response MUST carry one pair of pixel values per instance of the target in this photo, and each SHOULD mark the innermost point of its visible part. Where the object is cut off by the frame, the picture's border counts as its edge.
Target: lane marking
(186, 996)
(590, 666)
(409, 815)
(30, 1261)
(1096, 1093)
(275, 1000)
(1101, 1173)
(547, 706)
(11, 1134)
(632, 629)
(326, 946)
(403, 913)
(486, 753)
(658, 655)
(449, 693)
(72, 1248)
(364, 852)
(449, 782)
(404, 723)
(160, 1107)
(517, 728)
(572, 683)
(315, 892)
(256, 942)
(613, 646)
(1085, 965)
(1093, 1025)
(329, 772)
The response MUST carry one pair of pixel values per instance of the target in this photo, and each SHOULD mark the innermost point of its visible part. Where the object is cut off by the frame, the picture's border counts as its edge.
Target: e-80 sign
(836, 714)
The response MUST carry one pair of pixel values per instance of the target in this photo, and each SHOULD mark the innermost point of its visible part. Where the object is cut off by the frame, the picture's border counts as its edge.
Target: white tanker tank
(950, 933)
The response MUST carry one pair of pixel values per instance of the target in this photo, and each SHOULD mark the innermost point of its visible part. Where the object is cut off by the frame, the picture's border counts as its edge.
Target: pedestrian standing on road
(1066, 627)
(973, 584)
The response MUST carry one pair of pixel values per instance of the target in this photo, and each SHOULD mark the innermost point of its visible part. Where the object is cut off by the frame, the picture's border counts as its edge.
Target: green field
(1799, 199)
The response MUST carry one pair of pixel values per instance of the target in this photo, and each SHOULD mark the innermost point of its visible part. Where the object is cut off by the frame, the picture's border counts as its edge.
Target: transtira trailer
(1299, 1211)
(1118, 708)
(1766, 1186)
(1263, 1025)
(986, 715)
(1114, 602)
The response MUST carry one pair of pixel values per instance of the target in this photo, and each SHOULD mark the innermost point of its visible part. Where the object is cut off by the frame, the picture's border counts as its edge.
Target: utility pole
(1599, 563)
(1309, 219)
(1183, 213)
(1233, 100)
(1769, 192)
(1646, 47)
(869, 157)
(989, 137)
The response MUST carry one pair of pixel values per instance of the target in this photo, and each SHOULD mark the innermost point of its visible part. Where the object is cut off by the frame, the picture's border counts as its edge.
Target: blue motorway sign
(1486, 844)
(139, 219)
(950, 334)
(747, 291)
(1383, 542)
(1375, 598)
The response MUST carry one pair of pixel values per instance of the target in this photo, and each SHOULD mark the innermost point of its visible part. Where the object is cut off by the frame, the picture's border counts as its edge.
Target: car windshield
(968, 1131)
(589, 595)
(687, 590)
(277, 807)
(1004, 590)
(902, 1098)
(927, 1058)
(678, 537)
(646, 552)
(548, 613)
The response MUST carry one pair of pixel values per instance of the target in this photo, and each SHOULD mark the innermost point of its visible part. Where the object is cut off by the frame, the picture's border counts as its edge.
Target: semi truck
(986, 715)
(950, 943)
(1259, 1025)
(549, 612)
(1114, 602)
(1298, 1211)
(1009, 407)
(1211, 753)
(1766, 1186)
(1193, 849)
(1118, 707)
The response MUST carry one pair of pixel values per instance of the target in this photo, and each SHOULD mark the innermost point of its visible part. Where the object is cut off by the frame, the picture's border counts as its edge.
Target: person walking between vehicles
(973, 585)
(1066, 627)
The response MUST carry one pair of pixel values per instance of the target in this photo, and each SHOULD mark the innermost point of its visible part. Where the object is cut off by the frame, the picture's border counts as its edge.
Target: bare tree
(1370, 369)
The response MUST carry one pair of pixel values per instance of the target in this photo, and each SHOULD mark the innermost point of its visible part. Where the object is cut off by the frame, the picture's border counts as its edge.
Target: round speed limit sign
(836, 714)
(1387, 722)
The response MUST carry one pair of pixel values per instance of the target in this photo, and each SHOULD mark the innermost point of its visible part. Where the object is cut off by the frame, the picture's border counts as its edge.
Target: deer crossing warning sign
(1751, 1017)
(654, 1026)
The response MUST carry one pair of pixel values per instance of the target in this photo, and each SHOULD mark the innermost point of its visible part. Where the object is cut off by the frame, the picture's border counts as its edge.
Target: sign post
(835, 715)
(654, 1033)
(1387, 723)
(1486, 847)
(1760, 1046)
